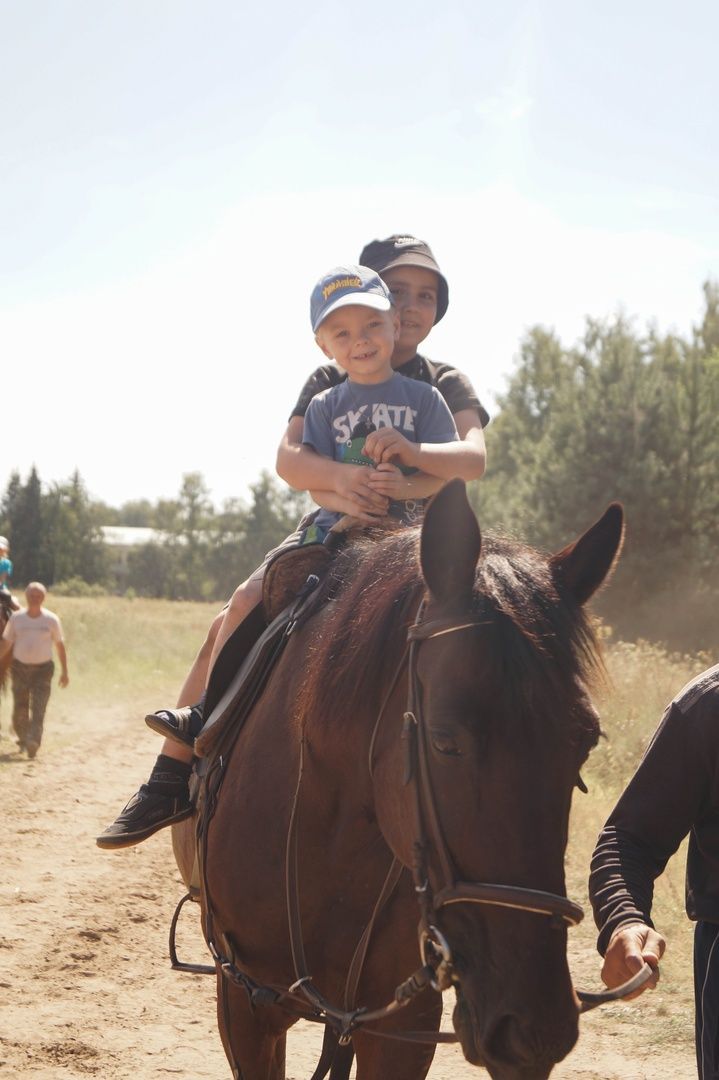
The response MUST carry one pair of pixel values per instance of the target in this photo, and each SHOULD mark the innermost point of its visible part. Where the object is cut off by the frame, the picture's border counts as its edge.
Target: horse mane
(540, 641)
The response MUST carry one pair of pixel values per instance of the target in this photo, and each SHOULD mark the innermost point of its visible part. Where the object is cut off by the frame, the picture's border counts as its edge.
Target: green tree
(23, 526)
(152, 570)
(194, 512)
(272, 515)
(72, 541)
(624, 417)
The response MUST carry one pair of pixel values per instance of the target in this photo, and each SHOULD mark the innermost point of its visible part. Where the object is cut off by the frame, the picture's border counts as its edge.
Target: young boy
(421, 297)
(375, 416)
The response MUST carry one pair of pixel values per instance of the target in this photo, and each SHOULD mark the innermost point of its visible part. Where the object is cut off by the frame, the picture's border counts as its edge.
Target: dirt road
(85, 983)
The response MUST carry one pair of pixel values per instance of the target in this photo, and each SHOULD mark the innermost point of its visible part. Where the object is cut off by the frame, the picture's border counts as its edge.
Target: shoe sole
(163, 728)
(123, 840)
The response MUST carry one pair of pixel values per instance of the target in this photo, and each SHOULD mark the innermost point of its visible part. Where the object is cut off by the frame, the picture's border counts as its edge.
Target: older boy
(421, 296)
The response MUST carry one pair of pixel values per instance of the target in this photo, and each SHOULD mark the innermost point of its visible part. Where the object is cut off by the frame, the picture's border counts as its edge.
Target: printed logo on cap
(341, 283)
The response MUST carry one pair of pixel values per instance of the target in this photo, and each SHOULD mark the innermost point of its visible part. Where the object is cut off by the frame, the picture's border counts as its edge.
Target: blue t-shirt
(5, 568)
(338, 420)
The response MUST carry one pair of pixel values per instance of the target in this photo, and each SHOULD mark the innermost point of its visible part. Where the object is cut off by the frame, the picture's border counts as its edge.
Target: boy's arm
(392, 482)
(306, 470)
(330, 500)
(465, 458)
(470, 431)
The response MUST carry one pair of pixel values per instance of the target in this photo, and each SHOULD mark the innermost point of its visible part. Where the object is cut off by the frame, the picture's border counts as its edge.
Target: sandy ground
(85, 983)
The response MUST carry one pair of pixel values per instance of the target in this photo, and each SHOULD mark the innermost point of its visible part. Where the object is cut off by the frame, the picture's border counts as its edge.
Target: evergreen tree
(22, 522)
(619, 417)
(72, 542)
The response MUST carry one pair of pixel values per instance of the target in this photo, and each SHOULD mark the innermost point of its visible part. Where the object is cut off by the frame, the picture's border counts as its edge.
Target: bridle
(429, 838)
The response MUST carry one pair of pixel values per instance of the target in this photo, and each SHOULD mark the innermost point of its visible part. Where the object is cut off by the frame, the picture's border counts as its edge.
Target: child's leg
(165, 798)
(245, 597)
(194, 684)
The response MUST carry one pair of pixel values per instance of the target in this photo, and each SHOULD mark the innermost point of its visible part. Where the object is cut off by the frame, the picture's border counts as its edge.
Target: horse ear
(451, 542)
(582, 566)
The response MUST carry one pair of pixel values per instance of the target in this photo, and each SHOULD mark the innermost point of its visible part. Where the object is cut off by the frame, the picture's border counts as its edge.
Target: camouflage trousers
(31, 685)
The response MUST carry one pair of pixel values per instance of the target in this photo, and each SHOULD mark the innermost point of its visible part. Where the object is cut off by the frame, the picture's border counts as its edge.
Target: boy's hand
(389, 480)
(352, 484)
(349, 508)
(390, 445)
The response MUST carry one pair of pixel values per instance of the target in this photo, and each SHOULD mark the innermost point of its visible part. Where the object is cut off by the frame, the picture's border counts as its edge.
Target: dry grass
(129, 649)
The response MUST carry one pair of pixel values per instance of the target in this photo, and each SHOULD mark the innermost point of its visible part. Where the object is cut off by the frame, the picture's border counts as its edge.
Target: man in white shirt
(31, 633)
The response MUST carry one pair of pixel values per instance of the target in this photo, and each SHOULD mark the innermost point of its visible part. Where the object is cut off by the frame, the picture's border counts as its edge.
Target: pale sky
(176, 176)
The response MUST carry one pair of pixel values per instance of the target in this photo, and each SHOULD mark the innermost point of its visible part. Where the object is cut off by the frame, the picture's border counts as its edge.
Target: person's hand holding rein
(630, 947)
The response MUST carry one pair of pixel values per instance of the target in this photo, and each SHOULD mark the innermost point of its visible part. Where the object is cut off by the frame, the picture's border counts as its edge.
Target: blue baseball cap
(347, 285)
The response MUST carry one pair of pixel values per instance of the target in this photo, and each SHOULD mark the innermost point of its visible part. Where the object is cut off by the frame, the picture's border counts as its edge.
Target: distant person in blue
(5, 565)
(7, 601)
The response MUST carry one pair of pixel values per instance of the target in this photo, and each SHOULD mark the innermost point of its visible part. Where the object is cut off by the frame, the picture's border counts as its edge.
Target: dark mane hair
(539, 640)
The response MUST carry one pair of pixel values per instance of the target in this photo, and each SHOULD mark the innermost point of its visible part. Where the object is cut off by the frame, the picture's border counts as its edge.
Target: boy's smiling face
(414, 291)
(361, 340)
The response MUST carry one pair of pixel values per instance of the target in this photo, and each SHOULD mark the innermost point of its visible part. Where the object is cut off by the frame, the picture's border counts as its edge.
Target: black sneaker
(180, 725)
(146, 812)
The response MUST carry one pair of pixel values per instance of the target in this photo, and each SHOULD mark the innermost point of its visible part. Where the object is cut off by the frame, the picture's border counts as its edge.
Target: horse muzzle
(507, 1048)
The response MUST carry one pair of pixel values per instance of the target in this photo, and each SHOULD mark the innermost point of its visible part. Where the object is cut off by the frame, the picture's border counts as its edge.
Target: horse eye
(445, 744)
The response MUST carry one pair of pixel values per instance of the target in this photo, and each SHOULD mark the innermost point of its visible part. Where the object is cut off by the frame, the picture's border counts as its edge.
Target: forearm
(62, 657)
(5, 647)
(303, 469)
(447, 461)
(419, 485)
(621, 883)
(369, 508)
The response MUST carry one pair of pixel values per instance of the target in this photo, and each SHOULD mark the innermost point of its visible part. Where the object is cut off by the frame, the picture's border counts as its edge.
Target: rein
(437, 967)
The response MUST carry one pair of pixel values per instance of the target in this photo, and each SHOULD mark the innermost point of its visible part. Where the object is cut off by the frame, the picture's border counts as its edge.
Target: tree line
(197, 552)
(623, 414)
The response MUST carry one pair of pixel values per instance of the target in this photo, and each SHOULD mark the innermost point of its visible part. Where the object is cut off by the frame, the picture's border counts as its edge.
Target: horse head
(476, 797)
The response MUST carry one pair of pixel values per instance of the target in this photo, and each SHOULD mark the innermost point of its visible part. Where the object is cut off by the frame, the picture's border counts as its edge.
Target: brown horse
(469, 784)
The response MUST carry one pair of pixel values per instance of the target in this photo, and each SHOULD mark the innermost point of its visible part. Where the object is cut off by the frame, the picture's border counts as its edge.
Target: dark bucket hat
(404, 250)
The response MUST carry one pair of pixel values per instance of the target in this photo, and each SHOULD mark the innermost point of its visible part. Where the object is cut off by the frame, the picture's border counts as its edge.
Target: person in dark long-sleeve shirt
(674, 791)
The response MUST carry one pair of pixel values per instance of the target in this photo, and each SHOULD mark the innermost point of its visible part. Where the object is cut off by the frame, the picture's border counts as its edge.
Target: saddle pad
(287, 572)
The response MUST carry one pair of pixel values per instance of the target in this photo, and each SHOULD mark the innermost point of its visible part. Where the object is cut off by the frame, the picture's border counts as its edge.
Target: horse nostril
(508, 1043)
(504, 1040)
